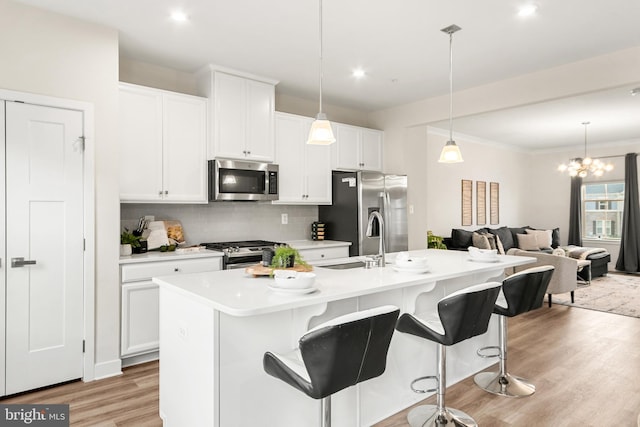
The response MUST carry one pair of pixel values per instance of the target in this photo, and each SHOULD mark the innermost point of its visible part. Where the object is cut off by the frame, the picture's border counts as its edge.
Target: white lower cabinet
(316, 254)
(139, 329)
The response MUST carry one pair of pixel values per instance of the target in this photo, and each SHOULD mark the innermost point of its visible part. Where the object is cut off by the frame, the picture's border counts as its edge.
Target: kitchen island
(215, 328)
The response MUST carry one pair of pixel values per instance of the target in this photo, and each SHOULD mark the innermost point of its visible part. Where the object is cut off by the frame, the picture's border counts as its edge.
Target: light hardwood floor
(585, 364)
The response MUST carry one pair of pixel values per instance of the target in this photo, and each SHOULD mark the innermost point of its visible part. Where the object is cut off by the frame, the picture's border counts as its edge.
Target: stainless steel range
(243, 253)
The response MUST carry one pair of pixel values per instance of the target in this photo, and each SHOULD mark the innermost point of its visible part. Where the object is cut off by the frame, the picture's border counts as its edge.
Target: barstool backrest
(524, 291)
(466, 313)
(339, 353)
(348, 350)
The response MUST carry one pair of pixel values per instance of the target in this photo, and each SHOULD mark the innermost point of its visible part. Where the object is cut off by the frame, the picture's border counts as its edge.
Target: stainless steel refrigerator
(355, 196)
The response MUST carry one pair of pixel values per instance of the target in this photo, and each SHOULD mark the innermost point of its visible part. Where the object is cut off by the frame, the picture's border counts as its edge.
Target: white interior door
(3, 259)
(44, 227)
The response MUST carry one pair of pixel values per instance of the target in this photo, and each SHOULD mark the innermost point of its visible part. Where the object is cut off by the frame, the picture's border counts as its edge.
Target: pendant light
(450, 152)
(582, 166)
(321, 133)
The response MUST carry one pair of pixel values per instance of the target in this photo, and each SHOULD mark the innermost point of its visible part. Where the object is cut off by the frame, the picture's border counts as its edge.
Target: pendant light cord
(585, 138)
(450, 86)
(320, 109)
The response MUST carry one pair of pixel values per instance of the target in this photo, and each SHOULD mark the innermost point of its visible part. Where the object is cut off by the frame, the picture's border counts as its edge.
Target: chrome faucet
(376, 215)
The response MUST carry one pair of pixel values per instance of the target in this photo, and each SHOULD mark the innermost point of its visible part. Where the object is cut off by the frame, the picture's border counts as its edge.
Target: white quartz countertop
(316, 244)
(235, 293)
(155, 256)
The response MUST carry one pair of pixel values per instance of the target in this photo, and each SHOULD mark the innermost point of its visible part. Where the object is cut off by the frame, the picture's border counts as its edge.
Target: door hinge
(83, 344)
(84, 245)
(79, 144)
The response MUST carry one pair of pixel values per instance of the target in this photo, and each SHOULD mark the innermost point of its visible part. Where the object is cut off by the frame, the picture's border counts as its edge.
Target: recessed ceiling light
(179, 16)
(358, 73)
(527, 10)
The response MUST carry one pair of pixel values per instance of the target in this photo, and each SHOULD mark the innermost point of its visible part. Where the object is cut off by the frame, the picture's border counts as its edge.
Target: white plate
(484, 259)
(416, 270)
(293, 291)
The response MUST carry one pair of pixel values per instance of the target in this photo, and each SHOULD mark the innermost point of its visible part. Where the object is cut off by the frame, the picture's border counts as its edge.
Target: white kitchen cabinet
(242, 115)
(139, 299)
(357, 148)
(320, 253)
(304, 170)
(162, 146)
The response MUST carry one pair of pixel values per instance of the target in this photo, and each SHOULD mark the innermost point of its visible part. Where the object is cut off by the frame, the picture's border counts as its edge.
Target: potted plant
(434, 242)
(285, 257)
(128, 241)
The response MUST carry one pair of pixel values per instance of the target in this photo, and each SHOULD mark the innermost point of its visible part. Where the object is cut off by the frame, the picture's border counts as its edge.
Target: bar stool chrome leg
(438, 415)
(502, 382)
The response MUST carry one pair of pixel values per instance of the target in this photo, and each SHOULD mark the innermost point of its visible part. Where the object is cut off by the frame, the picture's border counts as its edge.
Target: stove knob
(236, 249)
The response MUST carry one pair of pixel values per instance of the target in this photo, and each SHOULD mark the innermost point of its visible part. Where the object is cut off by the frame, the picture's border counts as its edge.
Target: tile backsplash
(228, 221)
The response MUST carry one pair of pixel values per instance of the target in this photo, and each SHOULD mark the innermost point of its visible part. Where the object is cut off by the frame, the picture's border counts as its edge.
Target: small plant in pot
(435, 242)
(128, 241)
(286, 257)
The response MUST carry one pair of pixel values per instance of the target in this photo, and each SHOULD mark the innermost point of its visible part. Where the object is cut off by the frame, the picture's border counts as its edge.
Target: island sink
(345, 266)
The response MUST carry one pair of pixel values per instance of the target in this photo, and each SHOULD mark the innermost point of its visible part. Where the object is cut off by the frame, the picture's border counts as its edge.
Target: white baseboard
(141, 358)
(108, 369)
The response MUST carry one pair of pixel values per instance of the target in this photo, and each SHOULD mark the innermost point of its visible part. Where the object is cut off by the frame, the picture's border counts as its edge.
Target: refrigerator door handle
(386, 215)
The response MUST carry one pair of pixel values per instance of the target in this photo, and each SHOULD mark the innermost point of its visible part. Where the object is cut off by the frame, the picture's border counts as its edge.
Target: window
(602, 210)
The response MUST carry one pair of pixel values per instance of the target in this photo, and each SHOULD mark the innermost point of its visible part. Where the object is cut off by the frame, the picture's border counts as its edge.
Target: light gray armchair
(564, 277)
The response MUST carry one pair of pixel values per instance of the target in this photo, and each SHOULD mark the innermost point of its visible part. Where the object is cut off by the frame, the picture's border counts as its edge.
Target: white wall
(531, 192)
(435, 188)
(49, 54)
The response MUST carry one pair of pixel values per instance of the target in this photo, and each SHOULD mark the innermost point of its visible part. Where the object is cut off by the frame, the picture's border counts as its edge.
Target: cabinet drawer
(147, 270)
(324, 253)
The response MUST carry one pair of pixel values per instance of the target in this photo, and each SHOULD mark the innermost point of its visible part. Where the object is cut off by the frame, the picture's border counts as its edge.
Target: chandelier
(583, 166)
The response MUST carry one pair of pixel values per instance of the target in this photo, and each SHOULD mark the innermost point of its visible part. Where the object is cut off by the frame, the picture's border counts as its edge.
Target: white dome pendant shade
(450, 152)
(321, 132)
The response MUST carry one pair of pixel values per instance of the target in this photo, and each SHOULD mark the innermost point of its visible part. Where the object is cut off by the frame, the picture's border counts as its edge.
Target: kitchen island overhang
(215, 328)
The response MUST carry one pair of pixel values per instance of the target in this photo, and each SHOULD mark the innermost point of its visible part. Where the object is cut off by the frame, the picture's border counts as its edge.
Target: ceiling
(399, 45)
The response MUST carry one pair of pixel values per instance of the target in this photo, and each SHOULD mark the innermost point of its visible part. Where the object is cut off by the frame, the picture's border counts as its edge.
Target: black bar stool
(521, 292)
(461, 315)
(337, 354)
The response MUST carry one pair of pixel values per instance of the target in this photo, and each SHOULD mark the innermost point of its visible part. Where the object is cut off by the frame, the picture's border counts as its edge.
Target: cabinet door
(229, 116)
(140, 122)
(140, 302)
(291, 138)
(184, 148)
(318, 173)
(260, 143)
(346, 147)
(371, 150)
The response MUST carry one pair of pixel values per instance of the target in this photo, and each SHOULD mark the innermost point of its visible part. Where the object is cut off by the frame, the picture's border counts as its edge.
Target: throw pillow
(506, 238)
(528, 242)
(543, 237)
(461, 238)
(499, 245)
(555, 238)
(481, 241)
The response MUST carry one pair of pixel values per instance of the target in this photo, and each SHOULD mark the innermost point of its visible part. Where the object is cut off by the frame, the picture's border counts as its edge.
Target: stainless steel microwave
(242, 180)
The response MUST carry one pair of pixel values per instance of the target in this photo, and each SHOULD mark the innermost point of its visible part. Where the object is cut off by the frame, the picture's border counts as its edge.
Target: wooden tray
(261, 270)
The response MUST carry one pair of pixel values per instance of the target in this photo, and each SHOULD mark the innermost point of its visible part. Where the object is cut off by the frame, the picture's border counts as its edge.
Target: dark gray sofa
(461, 239)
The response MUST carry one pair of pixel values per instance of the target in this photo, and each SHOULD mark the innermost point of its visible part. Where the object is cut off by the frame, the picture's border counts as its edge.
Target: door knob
(21, 262)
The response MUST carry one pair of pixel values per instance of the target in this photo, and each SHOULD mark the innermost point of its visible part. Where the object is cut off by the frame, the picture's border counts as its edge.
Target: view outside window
(602, 205)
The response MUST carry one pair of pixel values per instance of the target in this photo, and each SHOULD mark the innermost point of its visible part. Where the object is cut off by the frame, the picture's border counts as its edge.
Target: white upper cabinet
(304, 170)
(162, 146)
(242, 115)
(357, 148)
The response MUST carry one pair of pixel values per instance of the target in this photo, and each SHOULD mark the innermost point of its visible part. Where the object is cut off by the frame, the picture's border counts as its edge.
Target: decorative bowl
(289, 279)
